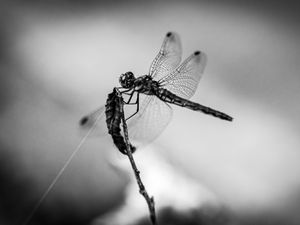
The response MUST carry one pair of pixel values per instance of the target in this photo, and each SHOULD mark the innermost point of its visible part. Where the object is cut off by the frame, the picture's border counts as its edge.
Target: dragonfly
(167, 82)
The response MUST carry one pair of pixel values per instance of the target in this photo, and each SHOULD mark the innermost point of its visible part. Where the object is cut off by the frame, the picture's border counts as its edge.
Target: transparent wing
(168, 57)
(184, 80)
(153, 117)
(98, 117)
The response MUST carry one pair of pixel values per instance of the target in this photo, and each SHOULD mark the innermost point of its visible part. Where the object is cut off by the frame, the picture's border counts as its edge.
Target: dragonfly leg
(124, 89)
(128, 101)
(137, 107)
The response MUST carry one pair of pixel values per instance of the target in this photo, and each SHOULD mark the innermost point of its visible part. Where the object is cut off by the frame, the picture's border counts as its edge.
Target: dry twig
(142, 189)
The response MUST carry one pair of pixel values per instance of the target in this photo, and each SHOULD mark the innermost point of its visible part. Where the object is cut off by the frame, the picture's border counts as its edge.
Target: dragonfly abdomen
(169, 97)
(113, 120)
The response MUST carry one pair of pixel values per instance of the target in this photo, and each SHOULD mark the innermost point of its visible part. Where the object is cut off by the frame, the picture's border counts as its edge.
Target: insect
(167, 82)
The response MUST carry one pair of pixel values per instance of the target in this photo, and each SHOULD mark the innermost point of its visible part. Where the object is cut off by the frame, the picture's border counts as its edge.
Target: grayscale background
(60, 59)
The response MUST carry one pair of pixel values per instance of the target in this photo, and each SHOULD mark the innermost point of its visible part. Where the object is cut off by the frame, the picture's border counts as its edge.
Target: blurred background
(60, 59)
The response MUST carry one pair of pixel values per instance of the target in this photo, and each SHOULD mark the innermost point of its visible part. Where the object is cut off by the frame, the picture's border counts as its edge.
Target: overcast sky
(59, 60)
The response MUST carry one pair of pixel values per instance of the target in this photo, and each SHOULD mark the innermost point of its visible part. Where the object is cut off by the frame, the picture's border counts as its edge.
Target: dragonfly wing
(168, 57)
(184, 80)
(97, 119)
(153, 117)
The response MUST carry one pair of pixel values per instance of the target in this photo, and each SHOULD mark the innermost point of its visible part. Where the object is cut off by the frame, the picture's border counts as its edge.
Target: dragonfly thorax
(127, 80)
(146, 85)
(143, 84)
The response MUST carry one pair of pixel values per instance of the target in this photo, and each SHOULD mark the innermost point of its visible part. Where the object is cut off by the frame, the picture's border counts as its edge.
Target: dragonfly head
(127, 80)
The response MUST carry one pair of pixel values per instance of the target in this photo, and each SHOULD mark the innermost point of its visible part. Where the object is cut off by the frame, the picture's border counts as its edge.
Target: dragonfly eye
(127, 80)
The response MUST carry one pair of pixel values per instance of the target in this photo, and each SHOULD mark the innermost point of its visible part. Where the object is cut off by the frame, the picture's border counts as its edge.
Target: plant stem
(142, 189)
